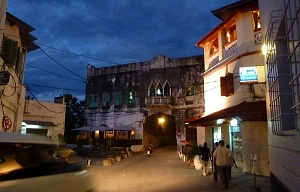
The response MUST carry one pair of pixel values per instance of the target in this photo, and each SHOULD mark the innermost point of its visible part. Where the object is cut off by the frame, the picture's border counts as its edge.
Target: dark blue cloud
(117, 31)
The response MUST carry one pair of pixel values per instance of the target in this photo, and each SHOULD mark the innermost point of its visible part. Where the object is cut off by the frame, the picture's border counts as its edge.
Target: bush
(194, 150)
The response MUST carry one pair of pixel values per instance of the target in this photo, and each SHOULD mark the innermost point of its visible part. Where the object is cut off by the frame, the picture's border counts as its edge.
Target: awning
(124, 128)
(102, 127)
(125, 119)
(245, 111)
(40, 123)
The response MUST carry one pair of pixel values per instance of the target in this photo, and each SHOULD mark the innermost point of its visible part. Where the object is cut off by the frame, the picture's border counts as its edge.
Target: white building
(281, 31)
(234, 86)
(44, 118)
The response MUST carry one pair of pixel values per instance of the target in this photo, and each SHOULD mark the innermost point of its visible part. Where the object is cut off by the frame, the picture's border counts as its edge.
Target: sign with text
(253, 158)
(4, 77)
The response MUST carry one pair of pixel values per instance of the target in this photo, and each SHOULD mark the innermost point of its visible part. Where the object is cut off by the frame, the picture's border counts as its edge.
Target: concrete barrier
(136, 148)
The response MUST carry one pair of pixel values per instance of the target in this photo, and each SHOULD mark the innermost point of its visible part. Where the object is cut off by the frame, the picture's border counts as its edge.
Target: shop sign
(235, 129)
(4, 77)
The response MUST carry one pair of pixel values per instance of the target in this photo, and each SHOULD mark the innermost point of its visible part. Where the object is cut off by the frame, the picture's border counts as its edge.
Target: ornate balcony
(158, 100)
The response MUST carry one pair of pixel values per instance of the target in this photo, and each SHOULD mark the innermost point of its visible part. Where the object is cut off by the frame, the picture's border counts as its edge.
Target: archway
(160, 129)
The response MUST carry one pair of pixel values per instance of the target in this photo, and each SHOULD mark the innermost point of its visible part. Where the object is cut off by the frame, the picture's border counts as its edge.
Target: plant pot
(197, 162)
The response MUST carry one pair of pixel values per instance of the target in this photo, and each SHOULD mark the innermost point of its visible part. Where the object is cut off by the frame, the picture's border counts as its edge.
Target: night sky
(74, 33)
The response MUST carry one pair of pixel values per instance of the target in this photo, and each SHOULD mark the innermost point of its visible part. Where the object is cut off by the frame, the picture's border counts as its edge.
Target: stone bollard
(124, 155)
(107, 162)
(118, 158)
(88, 162)
(112, 160)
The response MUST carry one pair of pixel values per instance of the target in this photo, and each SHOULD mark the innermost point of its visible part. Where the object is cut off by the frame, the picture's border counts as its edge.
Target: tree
(74, 116)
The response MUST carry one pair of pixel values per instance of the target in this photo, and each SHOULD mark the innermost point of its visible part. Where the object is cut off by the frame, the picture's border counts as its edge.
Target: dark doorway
(160, 129)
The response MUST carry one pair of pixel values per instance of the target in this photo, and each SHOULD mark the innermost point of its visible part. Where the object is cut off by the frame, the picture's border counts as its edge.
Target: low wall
(136, 148)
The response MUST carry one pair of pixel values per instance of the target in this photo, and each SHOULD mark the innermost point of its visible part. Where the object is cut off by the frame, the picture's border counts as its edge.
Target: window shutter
(93, 101)
(10, 51)
(19, 63)
(227, 85)
(223, 85)
(118, 98)
(105, 102)
(192, 90)
(230, 84)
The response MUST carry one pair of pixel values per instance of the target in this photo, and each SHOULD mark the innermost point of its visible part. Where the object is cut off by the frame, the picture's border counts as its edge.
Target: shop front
(243, 127)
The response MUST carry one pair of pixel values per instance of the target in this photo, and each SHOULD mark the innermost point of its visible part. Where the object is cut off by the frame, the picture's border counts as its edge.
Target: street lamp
(161, 120)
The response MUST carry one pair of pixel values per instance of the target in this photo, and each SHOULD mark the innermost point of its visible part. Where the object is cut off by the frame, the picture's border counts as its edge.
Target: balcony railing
(158, 100)
(213, 60)
(230, 49)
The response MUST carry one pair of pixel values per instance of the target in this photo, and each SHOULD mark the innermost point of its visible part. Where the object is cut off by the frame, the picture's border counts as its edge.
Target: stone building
(152, 98)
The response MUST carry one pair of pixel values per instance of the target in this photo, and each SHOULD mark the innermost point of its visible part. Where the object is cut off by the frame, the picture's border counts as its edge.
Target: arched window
(167, 89)
(159, 89)
(151, 90)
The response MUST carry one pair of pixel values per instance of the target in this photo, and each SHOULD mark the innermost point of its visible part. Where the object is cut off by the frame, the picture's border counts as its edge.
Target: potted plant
(192, 152)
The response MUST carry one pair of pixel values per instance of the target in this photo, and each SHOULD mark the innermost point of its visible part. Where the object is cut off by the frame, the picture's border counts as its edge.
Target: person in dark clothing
(231, 164)
(150, 147)
(205, 156)
(214, 164)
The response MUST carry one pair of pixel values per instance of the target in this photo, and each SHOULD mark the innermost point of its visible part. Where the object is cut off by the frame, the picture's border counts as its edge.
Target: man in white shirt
(222, 157)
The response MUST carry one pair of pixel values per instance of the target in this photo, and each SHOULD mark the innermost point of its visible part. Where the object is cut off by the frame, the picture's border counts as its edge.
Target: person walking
(205, 156)
(150, 147)
(231, 163)
(222, 157)
(214, 166)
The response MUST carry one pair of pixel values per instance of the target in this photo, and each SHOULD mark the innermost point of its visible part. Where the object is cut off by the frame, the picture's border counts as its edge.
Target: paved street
(162, 172)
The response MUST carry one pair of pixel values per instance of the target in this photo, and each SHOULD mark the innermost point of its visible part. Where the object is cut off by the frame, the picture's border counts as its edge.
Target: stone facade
(173, 87)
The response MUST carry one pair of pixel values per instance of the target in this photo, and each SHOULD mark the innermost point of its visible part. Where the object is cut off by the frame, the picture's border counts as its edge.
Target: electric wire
(61, 64)
(43, 104)
(122, 26)
(55, 87)
(89, 57)
(79, 19)
(15, 88)
(45, 23)
(30, 66)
